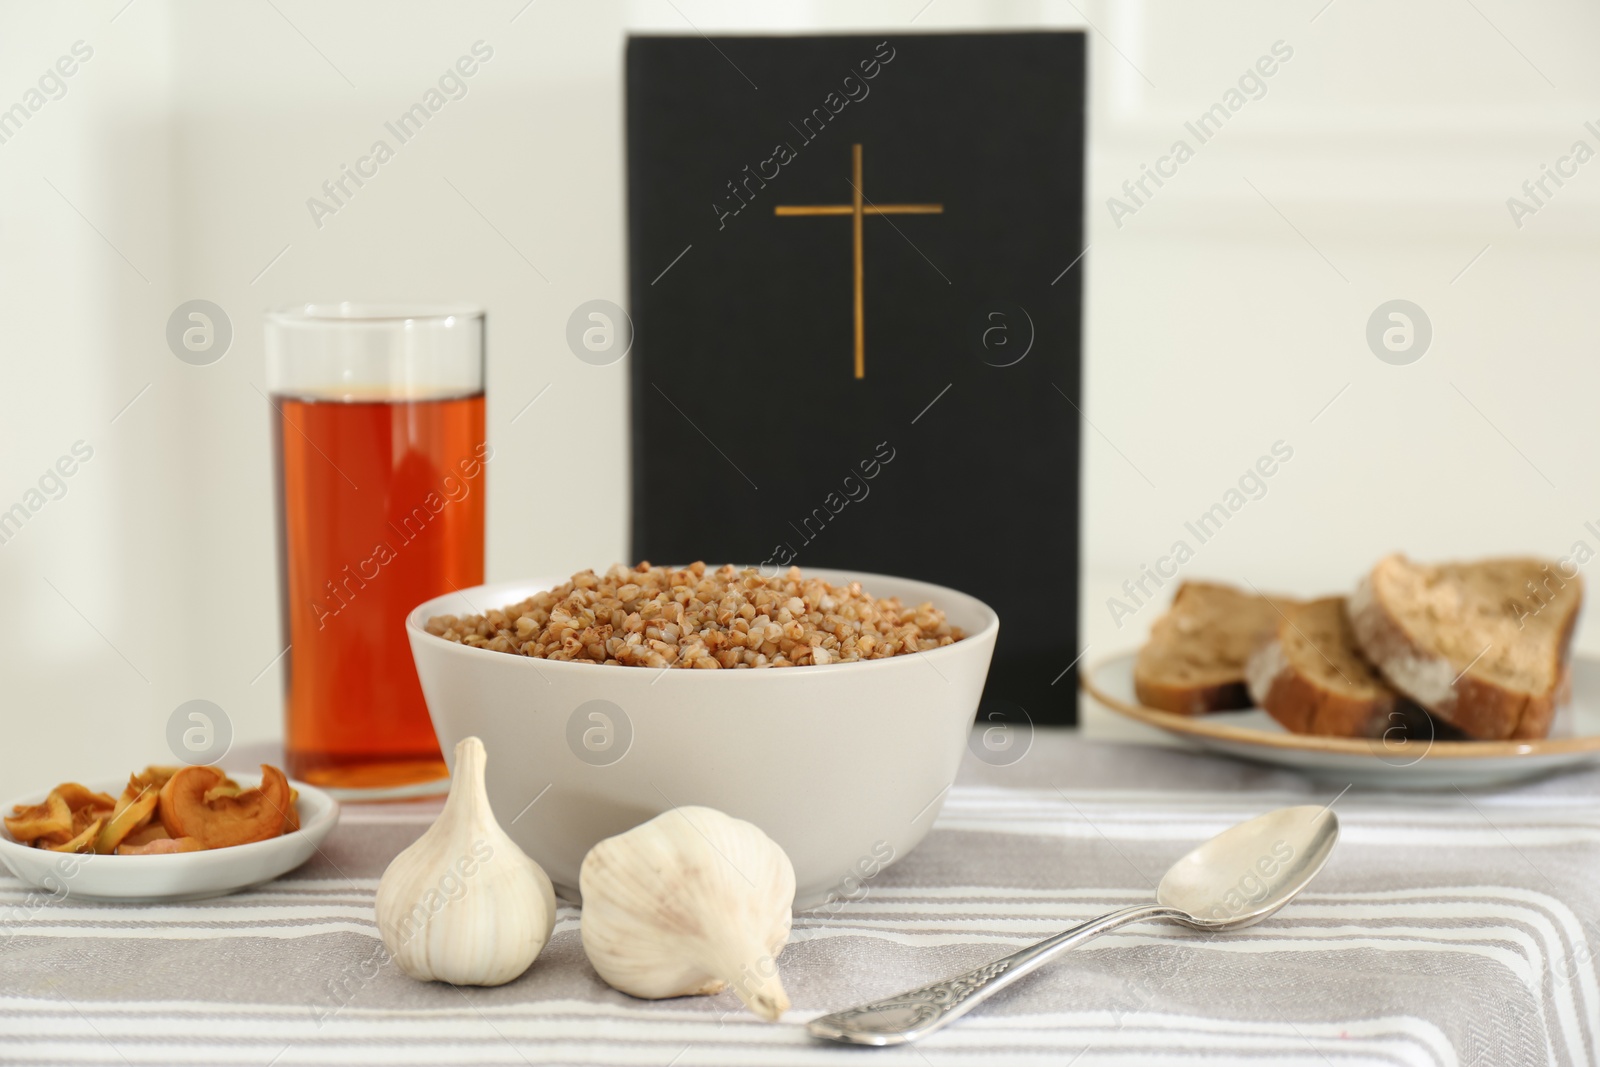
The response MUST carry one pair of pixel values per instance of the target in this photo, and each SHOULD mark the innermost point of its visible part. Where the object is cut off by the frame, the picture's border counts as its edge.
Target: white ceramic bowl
(179, 876)
(845, 765)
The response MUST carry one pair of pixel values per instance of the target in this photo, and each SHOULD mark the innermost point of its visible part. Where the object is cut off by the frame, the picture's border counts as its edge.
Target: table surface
(1449, 928)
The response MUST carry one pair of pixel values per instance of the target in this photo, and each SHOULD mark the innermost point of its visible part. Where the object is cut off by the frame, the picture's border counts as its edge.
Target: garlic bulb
(691, 902)
(463, 904)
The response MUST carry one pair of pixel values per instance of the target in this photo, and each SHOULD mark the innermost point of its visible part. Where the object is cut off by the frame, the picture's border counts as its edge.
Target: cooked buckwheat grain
(695, 617)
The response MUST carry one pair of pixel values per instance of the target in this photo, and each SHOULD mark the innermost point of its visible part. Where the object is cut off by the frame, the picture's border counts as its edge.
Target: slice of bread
(1311, 677)
(1195, 659)
(1483, 646)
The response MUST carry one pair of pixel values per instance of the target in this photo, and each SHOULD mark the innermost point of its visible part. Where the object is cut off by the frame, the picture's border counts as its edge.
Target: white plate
(1394, 762)
(180, 875)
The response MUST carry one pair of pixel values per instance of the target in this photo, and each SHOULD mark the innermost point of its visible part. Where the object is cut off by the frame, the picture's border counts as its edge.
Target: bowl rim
(323, 817)
(417, 617)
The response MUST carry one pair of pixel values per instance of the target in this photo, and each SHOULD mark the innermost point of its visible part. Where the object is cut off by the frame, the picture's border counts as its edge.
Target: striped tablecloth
(1451, 928)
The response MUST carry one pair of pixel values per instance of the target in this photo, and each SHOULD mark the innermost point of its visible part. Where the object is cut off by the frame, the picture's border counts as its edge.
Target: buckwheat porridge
(695, 616)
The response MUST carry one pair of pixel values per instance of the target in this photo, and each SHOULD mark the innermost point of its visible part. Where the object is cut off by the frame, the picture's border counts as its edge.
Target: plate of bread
(1423, 676)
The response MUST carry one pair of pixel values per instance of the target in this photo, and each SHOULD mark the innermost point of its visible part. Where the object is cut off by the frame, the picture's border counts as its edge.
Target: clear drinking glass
(379, 451)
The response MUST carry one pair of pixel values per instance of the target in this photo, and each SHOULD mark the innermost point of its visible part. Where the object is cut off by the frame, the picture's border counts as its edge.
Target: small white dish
(180, 875)
(1394, 762)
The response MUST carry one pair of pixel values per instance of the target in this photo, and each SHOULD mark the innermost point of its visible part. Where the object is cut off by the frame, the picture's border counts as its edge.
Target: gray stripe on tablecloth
(1096, 973)
(1287, 1044)
(1143, 1056)
(779, 1041)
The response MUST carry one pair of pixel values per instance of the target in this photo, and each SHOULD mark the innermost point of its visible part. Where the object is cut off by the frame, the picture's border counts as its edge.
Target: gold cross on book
(857, 209)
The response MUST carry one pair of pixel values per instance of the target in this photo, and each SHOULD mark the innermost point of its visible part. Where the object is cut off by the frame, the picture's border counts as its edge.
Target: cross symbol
(858, 208)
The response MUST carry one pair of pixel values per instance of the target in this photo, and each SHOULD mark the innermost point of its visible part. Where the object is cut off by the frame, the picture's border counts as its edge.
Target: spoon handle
(915, 1013)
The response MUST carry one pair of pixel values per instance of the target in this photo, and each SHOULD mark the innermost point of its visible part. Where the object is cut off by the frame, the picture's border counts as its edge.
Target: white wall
(1227, 312)
(1385, 147)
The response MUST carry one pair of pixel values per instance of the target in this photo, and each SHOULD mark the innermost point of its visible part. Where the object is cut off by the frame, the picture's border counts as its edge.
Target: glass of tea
(379, 450)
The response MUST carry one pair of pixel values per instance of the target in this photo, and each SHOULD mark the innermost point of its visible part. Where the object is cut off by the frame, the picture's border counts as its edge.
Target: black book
(856, 302)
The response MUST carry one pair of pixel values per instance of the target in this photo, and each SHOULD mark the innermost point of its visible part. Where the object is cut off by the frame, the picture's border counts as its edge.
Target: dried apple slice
(183, 795)
(84, 842)
(81, 818)
(143, 836)
(160, 846)
(226, 788)
(53, 817)
(157, 774)
(80, 796)
(253, 815)
(132, 813)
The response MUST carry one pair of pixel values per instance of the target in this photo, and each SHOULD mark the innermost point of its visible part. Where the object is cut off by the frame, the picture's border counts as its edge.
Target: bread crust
(1480, 708)
(1225, 691)
(1303, 705)
(1191, 699)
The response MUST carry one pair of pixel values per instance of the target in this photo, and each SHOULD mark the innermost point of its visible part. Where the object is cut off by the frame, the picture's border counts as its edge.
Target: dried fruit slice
(82, 817)
(157, 774)
(53, 817)
(81, 796)
(84, 842)
(226, 788)
(134, 809)
(183, 794)
(253, 815)
(160, 846)
(153, 832)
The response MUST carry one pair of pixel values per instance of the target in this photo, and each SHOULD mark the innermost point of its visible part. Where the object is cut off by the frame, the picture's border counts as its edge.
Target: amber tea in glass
(378, 434)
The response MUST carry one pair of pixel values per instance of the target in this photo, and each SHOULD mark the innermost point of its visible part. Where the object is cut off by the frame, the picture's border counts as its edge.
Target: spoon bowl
(1249, 871)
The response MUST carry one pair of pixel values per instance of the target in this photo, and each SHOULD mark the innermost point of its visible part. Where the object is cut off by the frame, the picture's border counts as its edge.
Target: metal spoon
(1237, 878)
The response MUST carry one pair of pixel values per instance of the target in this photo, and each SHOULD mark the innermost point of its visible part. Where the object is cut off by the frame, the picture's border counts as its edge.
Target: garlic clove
(689, 903)
(463, 904)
